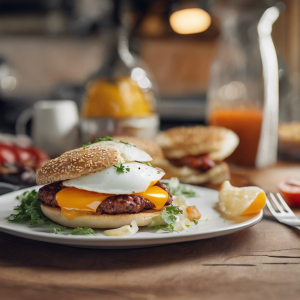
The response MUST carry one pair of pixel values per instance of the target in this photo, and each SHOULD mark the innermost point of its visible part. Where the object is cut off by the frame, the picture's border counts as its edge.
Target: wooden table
(262, 262)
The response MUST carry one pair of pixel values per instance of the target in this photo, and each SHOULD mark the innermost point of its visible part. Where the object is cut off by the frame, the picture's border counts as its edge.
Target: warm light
(191, 20)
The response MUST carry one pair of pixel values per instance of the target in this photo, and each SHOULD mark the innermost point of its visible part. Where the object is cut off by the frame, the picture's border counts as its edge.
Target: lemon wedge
(234, 201)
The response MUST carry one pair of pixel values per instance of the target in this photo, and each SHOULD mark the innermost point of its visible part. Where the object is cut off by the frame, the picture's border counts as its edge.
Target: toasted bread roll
(179, 142)
(215, 175)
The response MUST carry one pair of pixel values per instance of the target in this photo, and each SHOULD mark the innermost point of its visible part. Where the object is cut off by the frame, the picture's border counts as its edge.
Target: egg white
(135, 180)
(127, 151)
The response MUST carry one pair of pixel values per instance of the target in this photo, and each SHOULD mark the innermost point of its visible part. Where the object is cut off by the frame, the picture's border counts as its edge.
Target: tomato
(40, 155)
(290, 191)
(7, 154)
(25, 157)
(31, 157)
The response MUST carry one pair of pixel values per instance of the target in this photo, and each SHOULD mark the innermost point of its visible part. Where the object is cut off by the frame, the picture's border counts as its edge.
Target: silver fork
(281, 211)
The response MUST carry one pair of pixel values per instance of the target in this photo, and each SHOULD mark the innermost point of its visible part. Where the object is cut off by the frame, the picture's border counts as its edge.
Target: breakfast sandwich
(195, 154)
(107, 184)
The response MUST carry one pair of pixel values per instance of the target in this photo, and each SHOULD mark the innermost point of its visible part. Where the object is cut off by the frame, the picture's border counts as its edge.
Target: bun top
(91, 159)
(149, 146)
(178, 142)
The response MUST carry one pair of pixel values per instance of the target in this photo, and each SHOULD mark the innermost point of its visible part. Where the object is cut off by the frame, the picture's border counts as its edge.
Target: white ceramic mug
(55, 127)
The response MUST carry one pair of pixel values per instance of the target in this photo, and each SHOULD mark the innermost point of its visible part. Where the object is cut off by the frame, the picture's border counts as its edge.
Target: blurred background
(49, 49)
(138, 66)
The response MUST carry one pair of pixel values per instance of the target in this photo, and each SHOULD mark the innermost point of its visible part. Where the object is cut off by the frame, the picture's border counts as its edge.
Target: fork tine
(283, 203)
(276, 203)
(270, 206)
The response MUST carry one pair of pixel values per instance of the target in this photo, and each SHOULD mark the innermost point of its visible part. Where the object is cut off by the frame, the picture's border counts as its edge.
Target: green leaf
(82, 230)
(30, 211)
(169, 217)
(196, 222)
(85, 145)
(168, 227)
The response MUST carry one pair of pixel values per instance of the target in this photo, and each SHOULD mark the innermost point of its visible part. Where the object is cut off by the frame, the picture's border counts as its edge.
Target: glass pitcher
(236, 90)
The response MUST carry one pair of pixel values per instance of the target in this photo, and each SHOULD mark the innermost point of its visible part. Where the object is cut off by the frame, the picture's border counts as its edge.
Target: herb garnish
(126, 143)
(105, 139)
(177, 189)
(196, 222)
(87, 144)
(147, 163)
(30, 210)
(120, 168)
(168, 217)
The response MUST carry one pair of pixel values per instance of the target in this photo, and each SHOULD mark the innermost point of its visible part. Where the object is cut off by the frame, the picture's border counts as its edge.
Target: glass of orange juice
(235, 94)
(246, 123)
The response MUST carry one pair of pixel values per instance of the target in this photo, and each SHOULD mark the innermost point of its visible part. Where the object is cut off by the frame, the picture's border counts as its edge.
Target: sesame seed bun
(150, 147)
(103, 221)
(179, 142)
(78, 162)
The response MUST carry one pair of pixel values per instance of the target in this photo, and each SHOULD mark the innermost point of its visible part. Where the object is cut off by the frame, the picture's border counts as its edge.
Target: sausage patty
(202, 162)
(117, 204)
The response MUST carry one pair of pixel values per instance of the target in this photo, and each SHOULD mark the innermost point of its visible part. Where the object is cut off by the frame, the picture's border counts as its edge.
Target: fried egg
(128, 178)
(128, 152)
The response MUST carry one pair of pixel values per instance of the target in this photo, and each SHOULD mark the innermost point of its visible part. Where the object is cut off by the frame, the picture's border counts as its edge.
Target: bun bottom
(216, 175)
(104, 221)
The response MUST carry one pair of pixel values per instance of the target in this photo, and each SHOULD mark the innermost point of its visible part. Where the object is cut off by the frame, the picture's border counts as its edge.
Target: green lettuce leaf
(30, 211)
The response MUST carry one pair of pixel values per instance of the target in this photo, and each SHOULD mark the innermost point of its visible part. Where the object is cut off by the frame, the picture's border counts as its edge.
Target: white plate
(211, 224)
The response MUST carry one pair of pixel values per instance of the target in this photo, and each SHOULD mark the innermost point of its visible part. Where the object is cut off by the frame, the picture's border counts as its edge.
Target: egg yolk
(75, 202)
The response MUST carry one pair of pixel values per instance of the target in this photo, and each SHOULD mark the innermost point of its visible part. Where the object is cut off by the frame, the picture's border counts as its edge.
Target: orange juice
(116, 98)
(247, 125)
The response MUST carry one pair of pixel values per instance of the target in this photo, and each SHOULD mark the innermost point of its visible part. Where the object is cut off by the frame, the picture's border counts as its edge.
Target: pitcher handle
(22, 121)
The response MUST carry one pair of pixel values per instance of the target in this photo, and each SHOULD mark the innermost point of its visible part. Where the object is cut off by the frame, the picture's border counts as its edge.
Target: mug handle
(22, 120)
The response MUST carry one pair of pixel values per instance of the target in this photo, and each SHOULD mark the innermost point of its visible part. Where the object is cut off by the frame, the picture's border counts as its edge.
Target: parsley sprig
(126, 143)
(29, 210)
(120, 168)
(105, 139)
(167, 219)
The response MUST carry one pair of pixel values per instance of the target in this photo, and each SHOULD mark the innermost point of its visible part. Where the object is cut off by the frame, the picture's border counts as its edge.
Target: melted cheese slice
(155, 195)
(76, 202)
